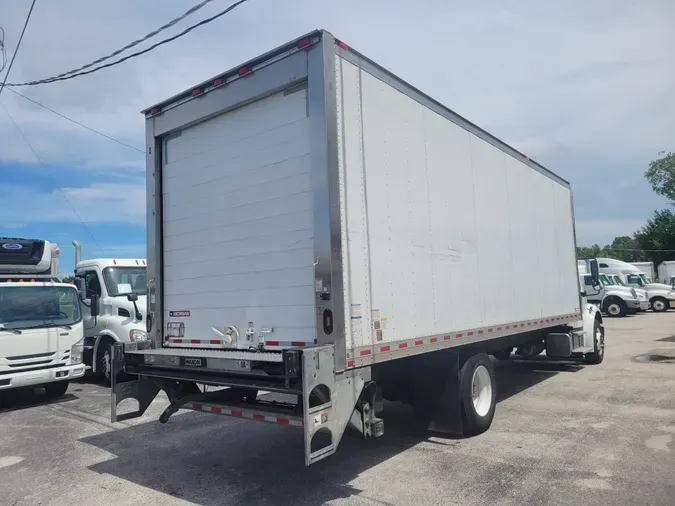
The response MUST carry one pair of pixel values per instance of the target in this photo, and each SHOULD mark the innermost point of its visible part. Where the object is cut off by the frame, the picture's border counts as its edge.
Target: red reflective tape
(480, 331)
(419, 342)
(529, 323)
(469, 333)
(297, 343)
(433, 340)
(283, 421)
(350, 363)
(364, 353)
(498, 329)
(195, 341)
(216, 410)
(489, 330)
(214, 341)
(385, 348)
(272, 343)
(508, 327)
(403, 345)
(177, 341)
(237, 413)
(458, 336)
(166, 338)
(446, 338)
(522, 324)
(258, 417)
(541, 321)
(196, 406)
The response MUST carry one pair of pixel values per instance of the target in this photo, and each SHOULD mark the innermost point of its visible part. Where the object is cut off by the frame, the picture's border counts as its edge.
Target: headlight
(76, 351)
(137, 335)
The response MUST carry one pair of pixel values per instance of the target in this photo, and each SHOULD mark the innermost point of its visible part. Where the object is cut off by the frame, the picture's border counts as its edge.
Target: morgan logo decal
(183, 313)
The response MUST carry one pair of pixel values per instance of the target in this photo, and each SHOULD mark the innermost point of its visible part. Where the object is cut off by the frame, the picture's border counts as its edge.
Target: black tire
(598, 354)
(660, 305)
(56, 389)
(103, 361)
(477, 420)
(504, 354)
(615, 308)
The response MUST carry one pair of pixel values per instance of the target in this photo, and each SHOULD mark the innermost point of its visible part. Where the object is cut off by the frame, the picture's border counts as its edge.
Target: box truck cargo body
(320, 228)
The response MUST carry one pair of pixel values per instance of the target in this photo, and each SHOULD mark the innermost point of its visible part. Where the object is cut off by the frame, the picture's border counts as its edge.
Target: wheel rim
(658, 305)
(600, 340)
(481, 390)
(613, 309)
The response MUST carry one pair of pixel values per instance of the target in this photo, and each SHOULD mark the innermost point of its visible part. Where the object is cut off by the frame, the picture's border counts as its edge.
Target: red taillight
(196, 92)
(244, 70)
(218, 82)
(342, 45)
(304, 42)
(154, 111)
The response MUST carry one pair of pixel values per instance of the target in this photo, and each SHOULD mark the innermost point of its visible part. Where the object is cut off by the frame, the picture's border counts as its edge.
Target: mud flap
(440, 393)
(142, 390)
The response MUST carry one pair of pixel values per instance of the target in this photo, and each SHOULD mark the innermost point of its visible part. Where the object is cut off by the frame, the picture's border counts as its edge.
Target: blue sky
(584, 88)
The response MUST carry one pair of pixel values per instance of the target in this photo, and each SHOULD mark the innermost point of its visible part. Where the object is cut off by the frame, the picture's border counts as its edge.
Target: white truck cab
(41, 329)
(661, 296)
(614, 300)
(117, 288)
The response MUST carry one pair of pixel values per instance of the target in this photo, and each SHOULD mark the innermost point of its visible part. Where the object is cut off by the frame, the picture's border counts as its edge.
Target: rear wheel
(504, 354)
(659, 304)
(477, 393)
(57, 389)
(598, 344)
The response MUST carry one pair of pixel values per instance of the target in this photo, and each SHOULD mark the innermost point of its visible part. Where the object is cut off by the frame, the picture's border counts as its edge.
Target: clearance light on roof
(219, 82)
(154, 110)
(196, 92)
(342, 45)
(304, 42)
(244, 70)
(57, 251)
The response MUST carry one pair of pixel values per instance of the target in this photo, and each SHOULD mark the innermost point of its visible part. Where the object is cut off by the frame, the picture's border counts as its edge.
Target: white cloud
(98, 203)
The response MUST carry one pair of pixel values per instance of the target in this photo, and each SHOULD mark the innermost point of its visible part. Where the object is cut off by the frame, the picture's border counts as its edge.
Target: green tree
(661, 175)
(584, 252)
(625, 248)
(68, 279)
(658, 234)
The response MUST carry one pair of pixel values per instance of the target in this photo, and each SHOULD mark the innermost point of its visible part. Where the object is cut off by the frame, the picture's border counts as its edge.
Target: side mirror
(94, 305)
(81, 288)
(595, 272)
(672, 282)
(132, 297)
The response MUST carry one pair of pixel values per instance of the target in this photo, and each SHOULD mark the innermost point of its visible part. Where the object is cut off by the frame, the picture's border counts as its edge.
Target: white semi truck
(119, 288)
(647, 268)
(610, 297)
(41, 337)
(320, 229)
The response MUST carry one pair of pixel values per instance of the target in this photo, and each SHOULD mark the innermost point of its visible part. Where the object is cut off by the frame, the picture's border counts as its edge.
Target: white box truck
(647, 268)
(666, 272)
(319, 229)
(41, 336)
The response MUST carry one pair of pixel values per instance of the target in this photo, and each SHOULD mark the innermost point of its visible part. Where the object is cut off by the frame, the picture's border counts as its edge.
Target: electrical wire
(77, 122)
(18, 44)
(44, 166)
(187, 13)
(132, 55)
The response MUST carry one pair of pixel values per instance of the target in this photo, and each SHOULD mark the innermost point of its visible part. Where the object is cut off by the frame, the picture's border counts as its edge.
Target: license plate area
(193, 362)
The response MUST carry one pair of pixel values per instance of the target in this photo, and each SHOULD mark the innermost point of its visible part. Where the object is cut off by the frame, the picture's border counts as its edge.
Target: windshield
(606, 280)
(38, 306)
(634, 279)
(123, 280)
(618, 281)
(645, 279)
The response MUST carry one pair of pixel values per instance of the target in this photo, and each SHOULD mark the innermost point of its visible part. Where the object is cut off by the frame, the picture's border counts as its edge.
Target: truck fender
(99, 338)
(590, 314)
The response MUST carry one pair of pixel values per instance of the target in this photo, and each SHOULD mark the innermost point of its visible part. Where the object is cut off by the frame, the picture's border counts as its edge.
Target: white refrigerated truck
(40, 321)
(318, 228)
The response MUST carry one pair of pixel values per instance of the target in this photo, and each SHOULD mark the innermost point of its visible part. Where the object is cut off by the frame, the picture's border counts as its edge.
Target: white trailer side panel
(442, 230)
(237, 211)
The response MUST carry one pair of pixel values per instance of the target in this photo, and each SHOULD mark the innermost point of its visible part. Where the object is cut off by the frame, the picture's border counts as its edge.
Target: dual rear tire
(477, 392)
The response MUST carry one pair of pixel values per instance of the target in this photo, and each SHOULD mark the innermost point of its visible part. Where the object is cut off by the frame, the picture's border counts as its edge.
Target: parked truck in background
(320, 229)
(612, 299)
(647, 268)
(615, 280)
(661, 296)
(119, 286)
(41, 332)
(667, 272)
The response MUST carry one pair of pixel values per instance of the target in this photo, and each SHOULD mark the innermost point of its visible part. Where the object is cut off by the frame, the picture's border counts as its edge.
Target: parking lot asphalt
(563, 434)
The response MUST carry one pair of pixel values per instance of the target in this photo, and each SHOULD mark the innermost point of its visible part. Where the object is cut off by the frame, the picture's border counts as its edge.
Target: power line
(187, 13)
(77, 122)
(16, 50)
(132, 55)
(621, 249)
(44, 166)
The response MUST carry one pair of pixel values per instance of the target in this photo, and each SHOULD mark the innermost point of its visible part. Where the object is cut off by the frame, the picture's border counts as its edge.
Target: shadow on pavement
(24, 398)
(210, 459)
